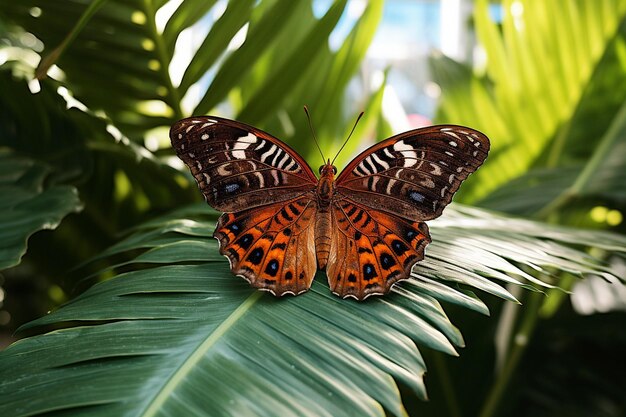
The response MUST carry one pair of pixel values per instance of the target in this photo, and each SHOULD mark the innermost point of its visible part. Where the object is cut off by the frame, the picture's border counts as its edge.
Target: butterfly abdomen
(322, 236)
(323, 230)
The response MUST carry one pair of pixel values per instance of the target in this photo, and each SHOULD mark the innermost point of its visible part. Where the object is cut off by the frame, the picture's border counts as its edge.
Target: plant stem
(52, 57)
(446, 385)
(614, 134)
(520, 341)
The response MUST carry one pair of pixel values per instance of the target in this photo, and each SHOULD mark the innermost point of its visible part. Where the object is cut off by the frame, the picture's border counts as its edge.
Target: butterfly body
(365, 228)
(323, 231)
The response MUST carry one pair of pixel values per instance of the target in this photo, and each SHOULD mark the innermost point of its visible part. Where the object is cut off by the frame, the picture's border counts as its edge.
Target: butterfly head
(328, 170)
(325, 184)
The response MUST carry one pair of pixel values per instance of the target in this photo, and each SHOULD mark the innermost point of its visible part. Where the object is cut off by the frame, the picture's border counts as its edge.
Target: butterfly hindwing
(272, 246)
(414, 174)
(371, 250)
(238, 166)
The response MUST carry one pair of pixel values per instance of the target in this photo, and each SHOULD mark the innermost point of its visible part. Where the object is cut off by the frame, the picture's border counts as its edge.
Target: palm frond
(548, 189)
(274, 67)
(536, 97)
(183, 336)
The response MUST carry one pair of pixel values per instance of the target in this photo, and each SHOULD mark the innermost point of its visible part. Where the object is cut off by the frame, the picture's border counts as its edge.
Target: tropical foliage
(161, 326)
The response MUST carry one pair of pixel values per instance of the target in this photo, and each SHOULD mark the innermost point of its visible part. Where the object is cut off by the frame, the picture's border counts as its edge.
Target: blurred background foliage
(89, 90)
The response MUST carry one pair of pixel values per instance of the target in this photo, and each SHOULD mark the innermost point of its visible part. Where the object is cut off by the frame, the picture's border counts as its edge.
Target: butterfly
(365, 228)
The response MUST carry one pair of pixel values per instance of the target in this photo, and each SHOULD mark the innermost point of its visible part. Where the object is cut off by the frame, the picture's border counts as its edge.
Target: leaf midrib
(154, 406)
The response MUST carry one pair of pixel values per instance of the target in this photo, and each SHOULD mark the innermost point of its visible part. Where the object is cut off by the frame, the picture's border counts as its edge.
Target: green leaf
(186, 14)
(285, 64)
(233, 19)
(537, 93)
(260, 36)
(50, 59)
(547, 190)
(269, 98)
(190, 338)
(28, 204)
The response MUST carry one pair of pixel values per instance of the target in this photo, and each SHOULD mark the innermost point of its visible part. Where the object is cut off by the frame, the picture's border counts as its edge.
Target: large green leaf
(541, 83)
(182, 336)
(28, 204)
(546, 190)
(118, 180)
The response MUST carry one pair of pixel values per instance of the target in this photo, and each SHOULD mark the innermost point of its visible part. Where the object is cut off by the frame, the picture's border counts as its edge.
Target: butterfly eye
(334, 170)
(320, 170)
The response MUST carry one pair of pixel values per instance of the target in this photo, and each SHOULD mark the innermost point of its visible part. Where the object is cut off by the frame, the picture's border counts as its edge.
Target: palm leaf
(536, 92)
(183, 336)
(545, 190)
(109, 172)
(130, 56)
(28, 204)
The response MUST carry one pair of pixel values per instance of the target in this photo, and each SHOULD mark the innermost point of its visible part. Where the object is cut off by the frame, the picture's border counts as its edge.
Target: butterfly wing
(238, 166)
(414, 174)
(267, 193)
(273, 247)
(382, 199)
(371, 250)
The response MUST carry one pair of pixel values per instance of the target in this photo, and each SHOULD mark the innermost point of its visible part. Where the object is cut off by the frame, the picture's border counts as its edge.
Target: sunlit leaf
(541, 83)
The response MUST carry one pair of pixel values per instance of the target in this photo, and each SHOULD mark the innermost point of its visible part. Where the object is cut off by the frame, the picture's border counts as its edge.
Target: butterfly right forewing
(267, 193)
(414, 174)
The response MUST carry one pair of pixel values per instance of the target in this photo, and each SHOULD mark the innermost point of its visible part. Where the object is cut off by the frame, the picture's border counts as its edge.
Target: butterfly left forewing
(238, 166)
(414, 174)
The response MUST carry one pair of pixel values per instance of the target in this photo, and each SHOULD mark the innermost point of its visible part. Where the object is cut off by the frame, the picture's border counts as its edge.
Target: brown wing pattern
(238, 166)
(272, 246)
(371, 250)
(414, 174)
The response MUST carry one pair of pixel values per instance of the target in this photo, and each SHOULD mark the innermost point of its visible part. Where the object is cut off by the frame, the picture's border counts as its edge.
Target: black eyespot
(417, 197)
(235, 228)
(245, 241)
(256, 256)
(399, 247)
(387, 261)
(369, 272)
(231, 188)
(410, 234)
(272, 268)
(288, 275)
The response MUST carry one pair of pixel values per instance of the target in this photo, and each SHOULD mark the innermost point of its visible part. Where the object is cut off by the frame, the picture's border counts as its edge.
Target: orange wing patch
(371, 250)
(272, 247)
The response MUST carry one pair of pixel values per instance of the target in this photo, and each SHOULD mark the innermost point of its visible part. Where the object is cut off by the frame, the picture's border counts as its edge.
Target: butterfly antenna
(351, 132)
(308, 117)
